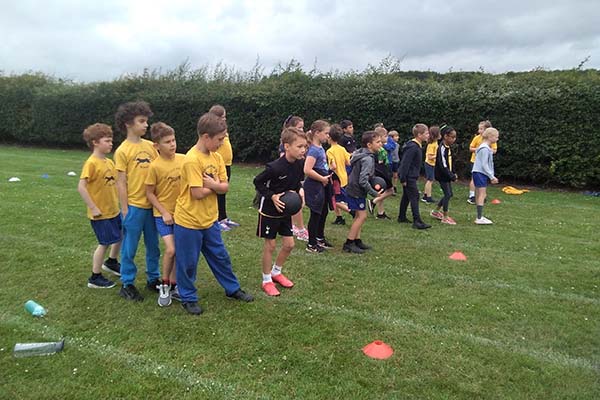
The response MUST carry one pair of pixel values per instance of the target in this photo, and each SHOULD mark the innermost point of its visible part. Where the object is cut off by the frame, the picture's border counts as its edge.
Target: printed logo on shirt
(143, 159)
(282, 177)
(211, 170)
(174, 176)
(109, 178)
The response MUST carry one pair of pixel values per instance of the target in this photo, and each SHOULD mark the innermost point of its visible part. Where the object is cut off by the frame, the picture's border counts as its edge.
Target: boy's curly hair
(96, 132)
(127, 112)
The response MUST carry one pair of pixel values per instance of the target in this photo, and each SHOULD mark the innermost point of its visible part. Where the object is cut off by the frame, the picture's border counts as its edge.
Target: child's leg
(447, 189)
(298, 220)
(188, 243)
(132, 230)
(413, 198)
(98, 258)
(169, 257)
(217, 258)
(480, 194)
(427, 188)
(322, 220)
(359, 220)
(471, 188)
(222, 200)
(313, 227)
(381, 198)
(115, 249)
(152, 249)
(395, 179)
(267, 256)
(403, 203)
(287, 245)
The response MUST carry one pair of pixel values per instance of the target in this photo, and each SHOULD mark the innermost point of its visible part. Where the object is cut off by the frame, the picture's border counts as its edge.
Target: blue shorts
(429, 172)
(355, 203)
(162, 228)
(394, 166)
(480, 180)
(341, 197)
(108, 231)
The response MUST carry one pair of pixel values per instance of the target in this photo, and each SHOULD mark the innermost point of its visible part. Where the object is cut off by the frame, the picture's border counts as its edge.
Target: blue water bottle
(35, 309)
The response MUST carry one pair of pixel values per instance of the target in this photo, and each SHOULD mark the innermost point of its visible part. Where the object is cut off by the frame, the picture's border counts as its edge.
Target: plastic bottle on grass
(37, 349)
(35, 309)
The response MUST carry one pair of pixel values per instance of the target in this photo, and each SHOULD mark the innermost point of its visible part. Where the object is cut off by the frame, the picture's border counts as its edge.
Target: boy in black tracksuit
(408, 174)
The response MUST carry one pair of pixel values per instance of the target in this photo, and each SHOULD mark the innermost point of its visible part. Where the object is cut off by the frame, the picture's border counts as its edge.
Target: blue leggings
(139, 220)
(189, 243)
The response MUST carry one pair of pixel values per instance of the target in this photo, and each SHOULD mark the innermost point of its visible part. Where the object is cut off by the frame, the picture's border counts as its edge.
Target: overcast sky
(101, 40)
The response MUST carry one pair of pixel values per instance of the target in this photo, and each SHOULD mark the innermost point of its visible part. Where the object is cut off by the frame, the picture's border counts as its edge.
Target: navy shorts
(108, 231)
(394, 166)
(429, 172)
(269, 227)
(162, 228)
(355, 203)
(480, 180)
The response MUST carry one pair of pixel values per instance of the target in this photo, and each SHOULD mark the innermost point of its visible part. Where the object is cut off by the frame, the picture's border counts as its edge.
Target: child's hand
(96, 212)
(494, 180)
(380, 192)
(167, 218)
(208, 181)
(325, 179)
(279, 205)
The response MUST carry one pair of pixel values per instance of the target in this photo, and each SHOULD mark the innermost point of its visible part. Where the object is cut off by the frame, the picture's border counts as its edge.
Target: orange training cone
(496, 201)
(458, 256)
(378, 350)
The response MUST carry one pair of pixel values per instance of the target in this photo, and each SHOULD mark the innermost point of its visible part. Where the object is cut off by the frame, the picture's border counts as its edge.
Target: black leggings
(316, 224)
(447, 189)
(410, 194)
(221, 201)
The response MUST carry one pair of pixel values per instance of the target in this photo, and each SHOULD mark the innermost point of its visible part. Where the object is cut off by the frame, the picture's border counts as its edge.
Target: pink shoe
(437, 214)
(302, 234)
(282, 280)
(270, 289)
(448, 221)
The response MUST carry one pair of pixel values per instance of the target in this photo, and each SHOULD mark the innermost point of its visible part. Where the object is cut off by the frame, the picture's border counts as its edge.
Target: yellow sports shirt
(340, 157)
(165, 175)
(477, 139)
(101, 177)
(134, 159)
(431, 150)
(226, 151)
(190, 212)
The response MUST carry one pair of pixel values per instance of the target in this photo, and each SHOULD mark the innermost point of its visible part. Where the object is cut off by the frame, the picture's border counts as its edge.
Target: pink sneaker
(448, 221)
(437, 214)
(282, 280)
(302, 235)
(270, 289)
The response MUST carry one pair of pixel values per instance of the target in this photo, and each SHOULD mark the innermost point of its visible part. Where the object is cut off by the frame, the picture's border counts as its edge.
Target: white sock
(267, 278)
(471, 194)
(276, 270)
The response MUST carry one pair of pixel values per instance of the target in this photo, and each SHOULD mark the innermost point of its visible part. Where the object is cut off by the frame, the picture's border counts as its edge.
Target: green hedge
(548, 120)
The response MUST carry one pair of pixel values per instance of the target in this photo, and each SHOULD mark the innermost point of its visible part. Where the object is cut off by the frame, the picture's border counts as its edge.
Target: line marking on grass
(560, 359)
(140, 363)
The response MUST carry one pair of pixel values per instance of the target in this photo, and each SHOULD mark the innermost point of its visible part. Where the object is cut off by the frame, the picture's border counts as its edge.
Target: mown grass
(518, 319)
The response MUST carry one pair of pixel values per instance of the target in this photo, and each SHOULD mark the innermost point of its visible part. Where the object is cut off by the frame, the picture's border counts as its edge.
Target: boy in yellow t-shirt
(475, 143)
(132, 159)
(162, 189)
(197, 230)
(226, 151)
(98, 191)
(338, 159)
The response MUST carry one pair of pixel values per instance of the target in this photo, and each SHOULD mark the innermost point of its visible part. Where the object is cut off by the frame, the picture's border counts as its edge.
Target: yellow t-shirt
(226, 151)
(340, 157)
(134, 159)
(190, 212)
(477, 139)
(101, 177)
(431, 150)
(165, 174)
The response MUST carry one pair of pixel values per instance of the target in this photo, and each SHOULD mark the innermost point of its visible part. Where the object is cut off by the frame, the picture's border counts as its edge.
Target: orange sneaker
(270, 289)
(282, 280)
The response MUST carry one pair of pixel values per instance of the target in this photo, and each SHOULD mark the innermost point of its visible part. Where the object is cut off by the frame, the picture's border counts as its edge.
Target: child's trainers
(352, 248)
(483, 221)
(448, 220)
(99, 282)
(112, 266)
(437, 214)
(175, 294)
(230, 223)
(326, 244)
(154, 285)
(370, 206)
(424, 199)
(303, 235)
(224, 227)
(314, 248)
(164, 297)
(382, 216)
(270, 289)
(241, 295)
(339, 221)
(471, 200)
(130, 292)
(282, 280)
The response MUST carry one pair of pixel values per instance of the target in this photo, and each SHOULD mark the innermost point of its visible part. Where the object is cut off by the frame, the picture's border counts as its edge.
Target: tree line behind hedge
(549, 121)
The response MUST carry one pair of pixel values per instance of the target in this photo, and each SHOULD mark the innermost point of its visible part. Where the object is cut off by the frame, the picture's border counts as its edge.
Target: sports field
(519, 319)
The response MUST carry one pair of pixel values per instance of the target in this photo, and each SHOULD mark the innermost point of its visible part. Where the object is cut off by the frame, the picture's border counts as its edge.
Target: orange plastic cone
(378, 350)
(458, 256)
(496, 201)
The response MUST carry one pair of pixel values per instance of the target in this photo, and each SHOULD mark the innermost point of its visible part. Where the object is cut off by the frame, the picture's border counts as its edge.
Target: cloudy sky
(90, 41)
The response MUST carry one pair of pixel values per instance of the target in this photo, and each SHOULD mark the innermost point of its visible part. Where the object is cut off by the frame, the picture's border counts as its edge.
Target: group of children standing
(182, 197)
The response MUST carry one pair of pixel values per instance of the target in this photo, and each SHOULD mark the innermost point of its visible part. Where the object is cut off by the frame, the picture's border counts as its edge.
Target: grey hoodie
(362, 162)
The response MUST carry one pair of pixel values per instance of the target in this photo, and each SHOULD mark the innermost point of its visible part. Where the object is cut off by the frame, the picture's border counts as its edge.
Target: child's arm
(122, 191)
(85, 195)
(473, 145)
(215, 185)
(151, 195)
(311, 173)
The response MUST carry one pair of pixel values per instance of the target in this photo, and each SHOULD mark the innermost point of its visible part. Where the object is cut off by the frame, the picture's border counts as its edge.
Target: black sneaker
(404, 221)
(112, 266)
(424, 199)
(100, 282)
(352, 248)
(192, 307)
(382, 216)
(241, 295)
(154, 285)
(326, 244)
(431, 200)
(314, 248)
(339, 221)
(359, 243)
(353, 213)
(471, 200)
(421, 225)
(130, 292)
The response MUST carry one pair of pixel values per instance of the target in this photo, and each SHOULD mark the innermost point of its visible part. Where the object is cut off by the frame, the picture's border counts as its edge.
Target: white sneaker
(483, 221)
(164, 298)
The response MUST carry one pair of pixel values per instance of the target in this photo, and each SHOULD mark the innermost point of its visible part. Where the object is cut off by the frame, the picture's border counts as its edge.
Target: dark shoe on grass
(359, 243)
(154, 285)
(242, 296)
(421, 225)
(352, 248)
(404, 221)
(192, 307)
(112, 266)
(130, 292)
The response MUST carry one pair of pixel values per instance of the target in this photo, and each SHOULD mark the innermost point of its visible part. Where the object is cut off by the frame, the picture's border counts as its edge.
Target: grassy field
(519, 319)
